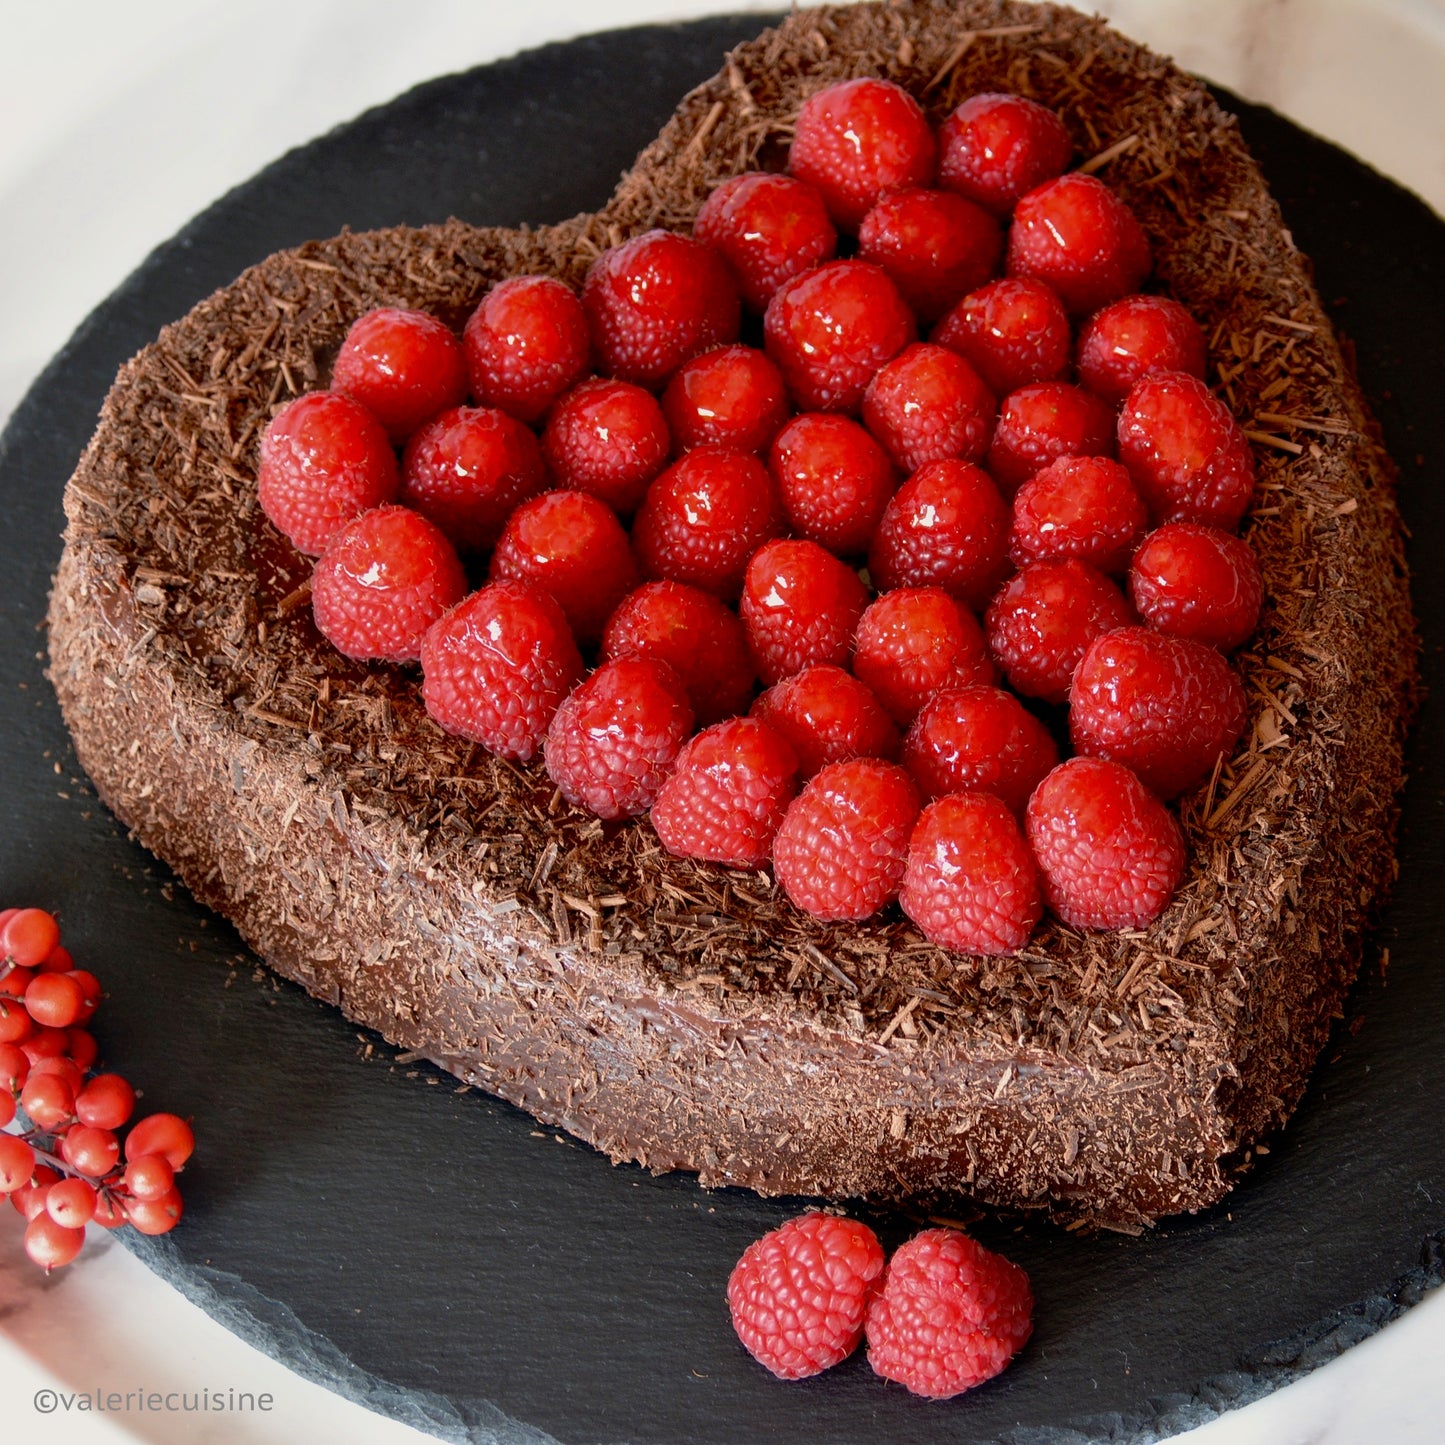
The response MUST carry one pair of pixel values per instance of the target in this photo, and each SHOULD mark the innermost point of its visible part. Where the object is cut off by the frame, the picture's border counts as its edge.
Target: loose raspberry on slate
(733, 397)
(1012, 332)
(970, 882)
(798, 1294)
(950, 1315)
(404, 367)
(926, 404)
(768, 228)
(1188, 456)
(468, 469)
(608, 438)
(497, 666)
(727, 794)
(1109, 852)
(829, 717)
(1039, 423)
(1084, 507)
(656, 301)
(995, 148)
(383, 579)
(1077, 235)
(834, 480)
(1197, 582)
(526, 343)
(858, 140)
(1133, 338)
(615, 737)
(1167, 707)
(840, 851)
(830, 329)
(324, 460)
(800, 606)
(572, 546)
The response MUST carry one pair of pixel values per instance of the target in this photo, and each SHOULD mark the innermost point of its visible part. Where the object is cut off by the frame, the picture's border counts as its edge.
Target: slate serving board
(433, 1253)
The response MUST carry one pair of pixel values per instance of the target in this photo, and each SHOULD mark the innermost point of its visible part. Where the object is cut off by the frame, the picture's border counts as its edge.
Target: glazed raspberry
(704, 517)
(616, 736)
(1135, 337)
(733, 397)
(978, 739)
(1109, 852)
(840, 850)
(858, 140)
(970, 883)
(495, 668)
(915, 641)
(829, 717)
(1077, 235)
(798, 1294)
(1012, 332)
(1043, 619)
(468, 469)
(833, 479)
(769, 229)
(727, 794)
(608, 438)
(1040, 423)
(830, 329)
(934, 245)
(700, 638)
(526, 343)
(1167, 707)
(572, 546)
(1187, 455)
(1084, 507)
(996, 148)
(947, 527)
(404, 367)
(800, 606)
(324, 460)
(383, 579)
(927, 404)
(657, 300)
(1197, 582)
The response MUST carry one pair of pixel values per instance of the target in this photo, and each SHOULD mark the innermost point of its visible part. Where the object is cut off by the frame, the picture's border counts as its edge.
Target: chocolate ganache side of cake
(680, 1014)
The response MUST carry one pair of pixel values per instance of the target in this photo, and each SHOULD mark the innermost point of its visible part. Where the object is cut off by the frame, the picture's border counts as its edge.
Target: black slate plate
(434, 1254)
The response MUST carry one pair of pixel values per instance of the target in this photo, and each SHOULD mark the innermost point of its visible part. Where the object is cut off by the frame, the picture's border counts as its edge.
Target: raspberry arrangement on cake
(949, 748)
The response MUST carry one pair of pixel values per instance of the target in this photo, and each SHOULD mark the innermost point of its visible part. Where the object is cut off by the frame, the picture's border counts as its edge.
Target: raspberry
(840, 851)
(800, 606)
(829, 717)
(1077, 235)
(947, 527)
(526, 343)
(1043, 619)
(1110, 853)
(383, 579)
(324, 460)
(950, 1315)
(927, 404)
(830, 329)
(970, 883)
(1197, 582)
(1135, 337)
(700, 638)
(703, 518)
(468, 469)
(768, 228)
(833, 478)
(996, 148)
(616, 736)
(915, 641)
(404, 367)
(727, 794)
(733, 397)
(656, 301)
(856, 141)
(573, 547)
(1012, 331)
(798, 1294)
(1167, 707)
(1084, 507)
(1040, 423)
(608, 438)
(1187, 455)
(495, 668)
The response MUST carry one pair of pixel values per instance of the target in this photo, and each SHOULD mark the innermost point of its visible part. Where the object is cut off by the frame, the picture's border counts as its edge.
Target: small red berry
(82, 1047)
(44, 1042)
(1084, 507)
(607, 438)
(29, 937)
(404, 367)
(800, 606)
(1012, 332)
(29, 1199)
(526, 343)
(149, 1177)
(14, 1068)
(165, 1134)
(1198, 582)
(54, 1000)
(733, 397)
(15, 1024)
(829, 717)
(1039, 423)
(995, 148)
(15, 980)
(927, 404)
(51, 1245)
(17, 1164)
(106, 1102)
(90, 992)
(71, 1202)
(833, 479)
(58, 960)
(1133, 338)
(90, 1151)
(154, 1216)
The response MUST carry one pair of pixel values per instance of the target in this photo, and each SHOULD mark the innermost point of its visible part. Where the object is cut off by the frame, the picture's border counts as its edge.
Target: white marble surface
(119, 121)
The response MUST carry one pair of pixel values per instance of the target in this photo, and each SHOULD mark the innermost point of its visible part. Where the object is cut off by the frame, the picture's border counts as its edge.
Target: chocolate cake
(679, 1014)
